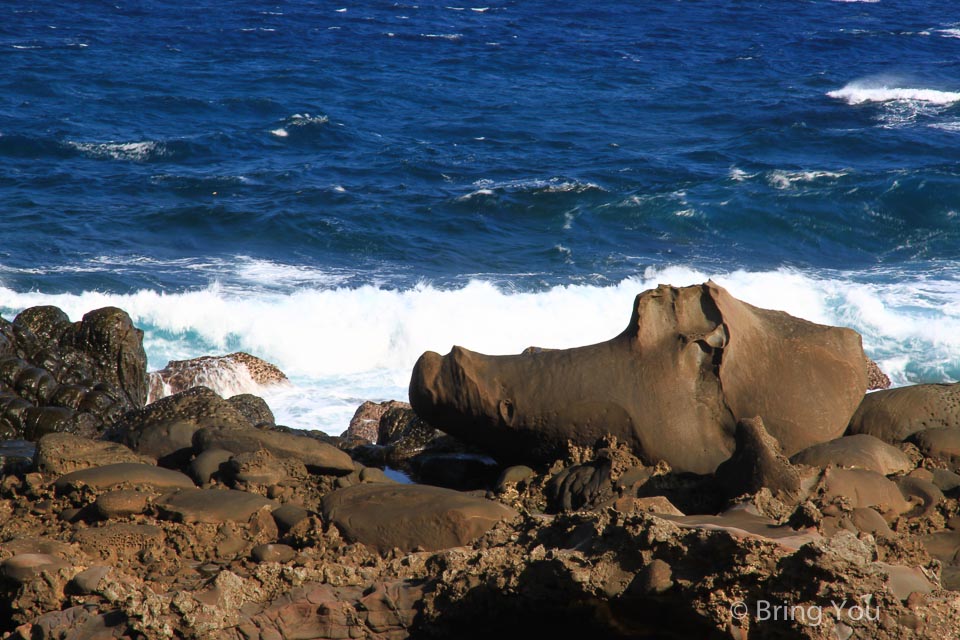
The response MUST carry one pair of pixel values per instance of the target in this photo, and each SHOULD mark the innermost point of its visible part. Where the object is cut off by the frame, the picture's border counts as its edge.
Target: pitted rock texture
(228, 375)
(894, 415)
(385, 516)
(58, 376)
(691, 362)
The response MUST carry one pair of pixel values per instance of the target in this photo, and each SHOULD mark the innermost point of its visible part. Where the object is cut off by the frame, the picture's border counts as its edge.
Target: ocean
(337, 187)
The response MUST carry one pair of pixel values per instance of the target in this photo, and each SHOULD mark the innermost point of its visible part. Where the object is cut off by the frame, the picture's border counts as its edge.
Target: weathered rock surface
(894, 415)
(690, 364)
(318, 456)
(757, 462)
(60, 453)
(860, 451)
(166, 427)
(228, 375)
(123, 473)
(411, 516)
(58, 376)
(212, 505)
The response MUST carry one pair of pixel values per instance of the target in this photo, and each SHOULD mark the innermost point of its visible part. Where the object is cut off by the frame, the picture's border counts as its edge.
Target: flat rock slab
(318, 457)
(212, 505)
(21, 568)
(894, 415)
(859, 451)
(120, 538)
(124, 472)
(60, 453)
(746, 523)
(411, 516)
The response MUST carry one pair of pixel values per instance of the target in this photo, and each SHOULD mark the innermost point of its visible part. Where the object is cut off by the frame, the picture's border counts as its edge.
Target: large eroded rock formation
(691, 363)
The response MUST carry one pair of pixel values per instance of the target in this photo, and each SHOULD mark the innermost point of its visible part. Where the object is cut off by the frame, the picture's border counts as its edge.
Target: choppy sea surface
(339, 187)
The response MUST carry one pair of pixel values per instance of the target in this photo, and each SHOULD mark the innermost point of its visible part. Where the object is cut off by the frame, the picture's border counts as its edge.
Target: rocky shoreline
(745, 487)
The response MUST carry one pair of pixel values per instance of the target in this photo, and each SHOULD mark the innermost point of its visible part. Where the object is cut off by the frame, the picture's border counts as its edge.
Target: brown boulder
(691, 363)
(894, 415)
(212, 505)
(860, 451)
(319, 457)
(166, 427)
(60, 453)
(124, 473)
(385, 516)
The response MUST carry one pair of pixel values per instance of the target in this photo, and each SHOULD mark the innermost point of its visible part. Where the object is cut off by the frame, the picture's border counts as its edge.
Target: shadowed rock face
(692, 362)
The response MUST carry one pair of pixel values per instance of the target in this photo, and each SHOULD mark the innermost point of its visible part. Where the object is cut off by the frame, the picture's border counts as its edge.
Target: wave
(860, 92)
(299, 120)
(342, 345)
(781, 179)
(141, 151)
(552, 185)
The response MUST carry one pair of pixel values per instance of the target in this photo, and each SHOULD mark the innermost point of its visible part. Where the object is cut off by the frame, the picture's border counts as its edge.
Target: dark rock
(116, 346)
(60, 453)
(460, 471)
(514, 475)
(288, 516)
(253, 408)
(124, 472)
(894, 415)
(756, 463)
(121, 503)
(46, 323)
(365, 424)
(166, 427)
(672, 386)
(579, 486)
(319, 457)
(89, 580)
(207, 464)
(411, 516)
(212, 505)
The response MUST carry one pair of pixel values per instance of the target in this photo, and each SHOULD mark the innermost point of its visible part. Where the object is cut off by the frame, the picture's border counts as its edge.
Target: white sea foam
(861, 92)
(453, 37)
(343, 345)
(949, 33)
(781, 179)
(552, 185)
(951, 125)
(133, 151)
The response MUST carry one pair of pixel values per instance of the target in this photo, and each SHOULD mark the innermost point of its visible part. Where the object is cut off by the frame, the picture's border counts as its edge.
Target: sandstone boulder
(318, 456)
(212, 505)
(860, 451)
(385, 516)
(60, 453)
(691, 363)
(166, 427)
(894, 415)
(124, 473)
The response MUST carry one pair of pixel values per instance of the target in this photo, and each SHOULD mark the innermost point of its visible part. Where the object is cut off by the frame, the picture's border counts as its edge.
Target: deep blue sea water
(337, 187)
